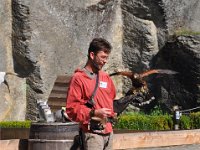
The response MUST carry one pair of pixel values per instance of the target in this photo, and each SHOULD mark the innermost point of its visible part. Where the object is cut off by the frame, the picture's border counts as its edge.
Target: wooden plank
(56, 99)
(61, 84)
(57, 95)
(14, 133)
(55, 108)
(59, 89)
(139, 139)
(9, 144)
(57, 103)
(155, 139)
(63, 79)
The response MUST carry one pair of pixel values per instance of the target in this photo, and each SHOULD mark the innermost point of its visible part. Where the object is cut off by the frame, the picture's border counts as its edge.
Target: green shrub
(195, 120)
(15, 124)
(156, 111)
(156, 120)
(131, 121)
(186, 32)
(137, 121)
(185, 122)
(161, 122)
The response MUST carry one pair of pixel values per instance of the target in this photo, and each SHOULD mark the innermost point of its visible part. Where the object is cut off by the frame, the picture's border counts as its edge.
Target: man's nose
(105, 61)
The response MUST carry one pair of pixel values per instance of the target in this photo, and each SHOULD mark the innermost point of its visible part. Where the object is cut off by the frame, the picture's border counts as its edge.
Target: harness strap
(90, 103)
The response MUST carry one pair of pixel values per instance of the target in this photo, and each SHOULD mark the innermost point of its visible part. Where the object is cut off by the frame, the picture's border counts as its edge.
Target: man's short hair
(99, 44)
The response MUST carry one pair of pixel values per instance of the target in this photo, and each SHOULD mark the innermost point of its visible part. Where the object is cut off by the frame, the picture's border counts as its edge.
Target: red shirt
(79, 92)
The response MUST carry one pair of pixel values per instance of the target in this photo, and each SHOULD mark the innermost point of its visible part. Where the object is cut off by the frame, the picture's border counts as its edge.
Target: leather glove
(121, 104)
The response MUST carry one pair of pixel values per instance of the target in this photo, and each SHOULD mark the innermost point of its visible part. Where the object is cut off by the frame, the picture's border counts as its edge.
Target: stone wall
(55, 39)
(12, 94)
(40, 40)
(184, 57)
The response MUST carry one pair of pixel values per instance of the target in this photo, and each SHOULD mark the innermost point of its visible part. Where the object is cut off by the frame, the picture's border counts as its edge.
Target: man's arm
(75, 105)
(121, 104)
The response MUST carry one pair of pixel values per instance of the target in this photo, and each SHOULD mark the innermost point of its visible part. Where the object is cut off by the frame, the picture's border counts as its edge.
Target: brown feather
(138, 79)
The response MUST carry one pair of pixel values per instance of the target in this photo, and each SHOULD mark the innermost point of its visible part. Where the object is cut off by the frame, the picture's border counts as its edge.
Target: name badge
(103, 84)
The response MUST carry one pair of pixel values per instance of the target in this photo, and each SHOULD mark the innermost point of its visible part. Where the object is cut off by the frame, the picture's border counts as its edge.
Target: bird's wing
(161, 71)
(123, 73)
(146, 73)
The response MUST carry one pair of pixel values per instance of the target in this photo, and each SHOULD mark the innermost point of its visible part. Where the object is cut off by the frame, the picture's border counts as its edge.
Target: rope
(189, 109)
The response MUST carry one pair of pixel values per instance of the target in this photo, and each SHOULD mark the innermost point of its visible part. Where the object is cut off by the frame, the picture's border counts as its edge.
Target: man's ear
(92, 55)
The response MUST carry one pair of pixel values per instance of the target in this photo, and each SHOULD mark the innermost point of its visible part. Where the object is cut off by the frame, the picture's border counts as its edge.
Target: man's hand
(121, 104)
(102, 113)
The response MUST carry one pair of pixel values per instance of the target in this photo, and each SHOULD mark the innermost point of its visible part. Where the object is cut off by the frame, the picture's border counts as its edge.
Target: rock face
(148, 26)
(182, 55)
(13, 95)
(42, 39)
(181, 14)
(58, 44)
(5, 36)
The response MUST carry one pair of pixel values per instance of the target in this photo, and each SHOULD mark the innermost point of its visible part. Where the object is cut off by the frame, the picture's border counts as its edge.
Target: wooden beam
(136, 139)
(155, 139)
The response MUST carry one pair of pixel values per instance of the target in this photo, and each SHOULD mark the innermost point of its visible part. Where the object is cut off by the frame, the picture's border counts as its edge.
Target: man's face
(100, 58)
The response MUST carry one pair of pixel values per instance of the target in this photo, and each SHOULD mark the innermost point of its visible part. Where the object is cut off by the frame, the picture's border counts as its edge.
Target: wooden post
(176, 117)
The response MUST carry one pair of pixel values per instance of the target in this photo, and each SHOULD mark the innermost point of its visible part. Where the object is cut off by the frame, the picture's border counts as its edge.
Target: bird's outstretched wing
(123, 73)
(145, 73)
(160, 71)
(138, 78)
(139, 88)
(149, 72)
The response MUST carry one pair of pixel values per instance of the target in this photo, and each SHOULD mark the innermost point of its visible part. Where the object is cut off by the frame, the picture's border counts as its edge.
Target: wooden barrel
(52, 136)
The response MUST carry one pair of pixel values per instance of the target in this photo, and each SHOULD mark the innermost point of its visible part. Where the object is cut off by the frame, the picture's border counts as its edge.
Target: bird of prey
(138, 82)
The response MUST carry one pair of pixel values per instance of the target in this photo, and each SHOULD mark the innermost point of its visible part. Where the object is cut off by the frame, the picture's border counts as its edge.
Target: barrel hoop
(50, 141)
(54, 129)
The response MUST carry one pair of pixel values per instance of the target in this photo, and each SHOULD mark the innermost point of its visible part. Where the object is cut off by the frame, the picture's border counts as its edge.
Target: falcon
(138, 79)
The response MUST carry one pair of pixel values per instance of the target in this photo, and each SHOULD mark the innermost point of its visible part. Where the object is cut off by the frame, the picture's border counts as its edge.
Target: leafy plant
(195, 120)
(156, 120)
(15, 124)
(137, 121)
(185, 122)
(156, 111)
(186, 32)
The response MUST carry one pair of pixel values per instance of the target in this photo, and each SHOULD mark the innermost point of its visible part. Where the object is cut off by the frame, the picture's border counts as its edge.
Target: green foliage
(185, 122)
(156, 120)
(195, 120)
(15, 124)
(137, 121)
(161, 122)
(186, 32)
(191, 121)
(156, 111)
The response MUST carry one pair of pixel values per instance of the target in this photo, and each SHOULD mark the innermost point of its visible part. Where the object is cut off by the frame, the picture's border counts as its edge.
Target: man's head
(99, 44)
(98, 52)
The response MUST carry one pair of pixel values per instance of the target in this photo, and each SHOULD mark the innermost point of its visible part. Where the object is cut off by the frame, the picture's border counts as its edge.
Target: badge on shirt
(103, 84)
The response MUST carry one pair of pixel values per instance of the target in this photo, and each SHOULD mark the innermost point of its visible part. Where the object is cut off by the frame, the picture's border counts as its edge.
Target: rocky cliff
(42, 39)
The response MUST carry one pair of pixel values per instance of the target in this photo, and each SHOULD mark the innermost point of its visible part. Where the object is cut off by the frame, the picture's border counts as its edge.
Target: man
(85, 103)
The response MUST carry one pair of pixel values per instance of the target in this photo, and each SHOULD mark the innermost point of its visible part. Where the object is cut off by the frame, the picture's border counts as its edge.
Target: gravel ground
(182, 147)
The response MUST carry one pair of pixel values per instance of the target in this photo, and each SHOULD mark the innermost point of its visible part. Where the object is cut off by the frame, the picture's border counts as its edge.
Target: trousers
(93, 141)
